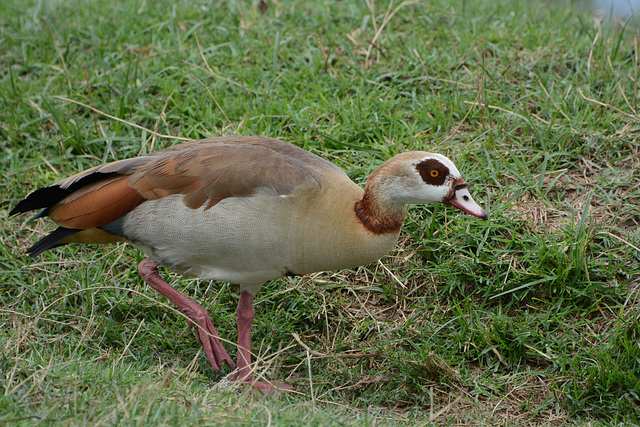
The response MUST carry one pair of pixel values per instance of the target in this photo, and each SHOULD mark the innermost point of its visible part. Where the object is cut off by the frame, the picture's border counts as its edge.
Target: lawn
(531, 317)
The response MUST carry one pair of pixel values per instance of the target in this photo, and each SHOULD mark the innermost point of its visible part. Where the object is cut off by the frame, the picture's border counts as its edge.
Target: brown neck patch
(432, 171)
(376, 218)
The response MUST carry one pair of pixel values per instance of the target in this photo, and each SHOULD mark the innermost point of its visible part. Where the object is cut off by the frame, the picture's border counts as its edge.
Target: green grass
(532, 317)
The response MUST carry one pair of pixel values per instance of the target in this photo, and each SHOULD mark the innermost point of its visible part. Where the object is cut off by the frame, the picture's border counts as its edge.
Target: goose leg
(246, 314)
(206, 333)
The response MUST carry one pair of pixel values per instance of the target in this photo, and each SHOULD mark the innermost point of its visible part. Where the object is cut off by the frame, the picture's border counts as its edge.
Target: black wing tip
(46, 197)
(50, 241)
(42, 198)
(19, 208)
(44, 212)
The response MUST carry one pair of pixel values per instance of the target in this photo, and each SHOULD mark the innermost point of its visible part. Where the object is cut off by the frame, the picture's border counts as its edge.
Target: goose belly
(250, 240)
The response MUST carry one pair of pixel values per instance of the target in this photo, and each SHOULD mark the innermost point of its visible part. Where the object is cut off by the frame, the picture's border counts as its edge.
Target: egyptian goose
(243, 210)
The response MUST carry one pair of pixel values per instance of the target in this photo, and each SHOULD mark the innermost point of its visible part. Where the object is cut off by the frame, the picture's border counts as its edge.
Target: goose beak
(462, 200)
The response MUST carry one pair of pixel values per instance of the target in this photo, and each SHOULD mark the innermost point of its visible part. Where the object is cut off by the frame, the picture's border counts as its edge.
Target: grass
(530, 318)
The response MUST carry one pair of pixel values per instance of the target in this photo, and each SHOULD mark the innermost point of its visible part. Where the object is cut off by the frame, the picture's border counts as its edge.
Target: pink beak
(462, 200)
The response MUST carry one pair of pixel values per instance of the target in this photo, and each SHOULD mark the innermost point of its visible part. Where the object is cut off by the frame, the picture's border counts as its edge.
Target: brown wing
(205, 172)
(208, 174)
(97, 204)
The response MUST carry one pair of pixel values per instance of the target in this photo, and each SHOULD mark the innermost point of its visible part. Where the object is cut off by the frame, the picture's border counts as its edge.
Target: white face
(433, 178)
(425, 179)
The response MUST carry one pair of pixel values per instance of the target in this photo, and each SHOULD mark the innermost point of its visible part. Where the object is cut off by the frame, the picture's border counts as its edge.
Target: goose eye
(434, 173)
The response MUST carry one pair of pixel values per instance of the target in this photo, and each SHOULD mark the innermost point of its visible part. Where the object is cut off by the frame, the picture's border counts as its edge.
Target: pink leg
(246, 314)
(207, 334)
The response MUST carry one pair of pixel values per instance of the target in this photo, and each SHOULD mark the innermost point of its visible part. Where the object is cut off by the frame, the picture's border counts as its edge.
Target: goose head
(418, 177)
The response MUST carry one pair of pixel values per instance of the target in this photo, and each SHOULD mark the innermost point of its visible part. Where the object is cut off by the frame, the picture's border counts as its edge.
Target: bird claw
(213, 348)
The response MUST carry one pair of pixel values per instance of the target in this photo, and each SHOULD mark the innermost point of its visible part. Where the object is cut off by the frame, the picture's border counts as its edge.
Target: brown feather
(96, 204)
(195, 199)
(208, 173)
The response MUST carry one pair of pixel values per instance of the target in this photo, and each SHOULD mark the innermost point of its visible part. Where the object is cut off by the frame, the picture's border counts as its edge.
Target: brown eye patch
(432, 171)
